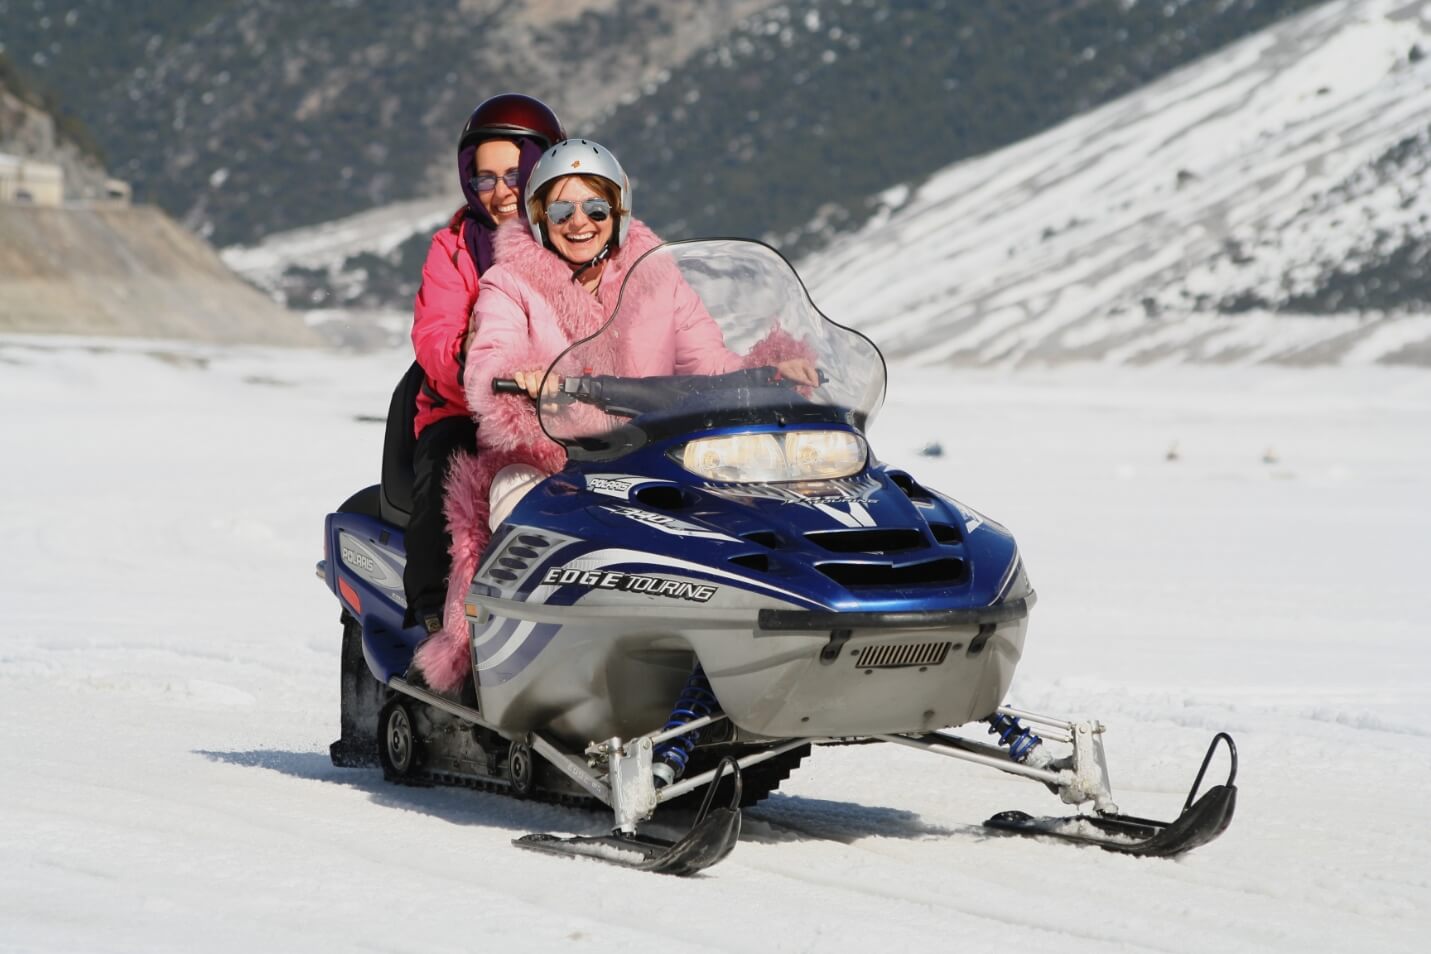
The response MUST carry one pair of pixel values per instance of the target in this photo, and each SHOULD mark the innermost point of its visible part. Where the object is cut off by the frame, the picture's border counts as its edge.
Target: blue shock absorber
(696, 700)
(1021, 741)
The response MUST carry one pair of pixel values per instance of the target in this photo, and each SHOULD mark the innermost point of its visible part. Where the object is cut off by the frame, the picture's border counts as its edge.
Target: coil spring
(695, 701)
(1021, 741)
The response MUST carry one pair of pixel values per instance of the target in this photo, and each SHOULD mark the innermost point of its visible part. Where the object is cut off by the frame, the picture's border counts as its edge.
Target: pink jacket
(439, 324)
(529, 310)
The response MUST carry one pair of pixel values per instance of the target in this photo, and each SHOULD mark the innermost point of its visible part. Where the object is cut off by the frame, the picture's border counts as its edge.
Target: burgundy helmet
(508, 115)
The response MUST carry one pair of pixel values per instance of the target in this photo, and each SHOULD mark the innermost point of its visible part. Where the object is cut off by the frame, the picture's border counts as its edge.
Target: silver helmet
(578, 157)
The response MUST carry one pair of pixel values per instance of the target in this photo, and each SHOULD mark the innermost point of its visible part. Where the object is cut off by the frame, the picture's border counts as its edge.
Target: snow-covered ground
(168, 680)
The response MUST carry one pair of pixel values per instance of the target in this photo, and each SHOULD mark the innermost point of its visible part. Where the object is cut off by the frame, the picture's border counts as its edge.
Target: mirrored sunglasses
(597, 210)
(486, 181)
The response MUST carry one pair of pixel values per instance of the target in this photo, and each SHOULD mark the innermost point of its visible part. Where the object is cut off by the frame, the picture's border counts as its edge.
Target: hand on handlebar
(531, 382)
(800, 370)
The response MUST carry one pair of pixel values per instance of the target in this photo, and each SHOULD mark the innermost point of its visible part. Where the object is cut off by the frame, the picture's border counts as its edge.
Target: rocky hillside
(1269, 203)
(242, 119)
(102, 269)
(33, 125)
(129, 272)
(794, 124)
(736, 116)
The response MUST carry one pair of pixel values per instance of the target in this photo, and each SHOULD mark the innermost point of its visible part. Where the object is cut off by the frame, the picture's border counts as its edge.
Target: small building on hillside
(118, 192)
(31, 183)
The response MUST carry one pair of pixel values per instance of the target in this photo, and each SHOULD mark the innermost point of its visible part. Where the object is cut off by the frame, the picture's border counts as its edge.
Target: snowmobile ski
(1201, 820)
(711, 838)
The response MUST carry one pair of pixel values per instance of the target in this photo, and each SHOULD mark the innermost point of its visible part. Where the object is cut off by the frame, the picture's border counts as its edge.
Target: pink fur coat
(528, 312)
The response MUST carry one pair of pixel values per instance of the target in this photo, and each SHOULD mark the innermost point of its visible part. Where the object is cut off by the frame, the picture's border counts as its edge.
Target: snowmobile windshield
(709, 334)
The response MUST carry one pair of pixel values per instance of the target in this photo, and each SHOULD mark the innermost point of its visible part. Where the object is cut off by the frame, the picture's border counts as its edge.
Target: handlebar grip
(507, 386)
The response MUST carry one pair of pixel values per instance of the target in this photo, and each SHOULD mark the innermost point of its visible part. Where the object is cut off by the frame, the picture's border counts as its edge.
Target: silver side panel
(789, 690)
(618, 668)
(379, 565)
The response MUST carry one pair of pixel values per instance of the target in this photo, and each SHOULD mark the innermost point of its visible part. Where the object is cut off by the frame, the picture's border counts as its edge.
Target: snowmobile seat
(395, 501)
(367, 502)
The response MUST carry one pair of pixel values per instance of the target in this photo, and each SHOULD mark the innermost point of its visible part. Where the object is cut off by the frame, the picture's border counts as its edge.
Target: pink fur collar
(578, 312)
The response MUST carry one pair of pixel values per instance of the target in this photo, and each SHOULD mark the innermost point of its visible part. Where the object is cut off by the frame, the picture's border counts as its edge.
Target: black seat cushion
(398, 444)
(367, 502)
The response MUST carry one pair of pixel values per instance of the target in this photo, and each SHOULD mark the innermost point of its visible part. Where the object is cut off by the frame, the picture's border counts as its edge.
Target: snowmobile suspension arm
(445, 704)
(1083, 779)
(631, 785)
(696, 781)
(573, 768)
(975, 752)
(685, 727)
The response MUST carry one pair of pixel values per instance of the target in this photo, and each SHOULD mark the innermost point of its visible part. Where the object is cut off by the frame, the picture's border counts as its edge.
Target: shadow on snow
(779, 818)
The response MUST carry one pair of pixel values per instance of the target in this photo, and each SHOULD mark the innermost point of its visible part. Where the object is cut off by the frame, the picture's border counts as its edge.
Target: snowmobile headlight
(823, 455)
(740, 458)
(771, 458)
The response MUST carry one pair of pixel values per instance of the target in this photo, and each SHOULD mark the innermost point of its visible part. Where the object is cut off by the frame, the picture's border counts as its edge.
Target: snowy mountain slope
(375, 231)
(724, 142)
(1269, 203)
(328, 270)
(168, 680)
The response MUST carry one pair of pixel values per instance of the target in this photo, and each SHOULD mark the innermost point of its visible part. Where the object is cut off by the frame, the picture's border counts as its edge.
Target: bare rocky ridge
(127, 272)
(29, 132)
(94, 267)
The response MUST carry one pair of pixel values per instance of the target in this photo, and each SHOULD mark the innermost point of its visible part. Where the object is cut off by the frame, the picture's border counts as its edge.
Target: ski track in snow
(168, 680)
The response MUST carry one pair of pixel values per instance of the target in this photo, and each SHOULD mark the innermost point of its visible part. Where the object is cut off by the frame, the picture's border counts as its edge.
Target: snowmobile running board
(711, 838)
(1197, 824)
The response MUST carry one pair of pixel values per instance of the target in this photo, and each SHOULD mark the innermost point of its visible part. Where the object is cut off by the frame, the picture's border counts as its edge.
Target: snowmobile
(722, 578)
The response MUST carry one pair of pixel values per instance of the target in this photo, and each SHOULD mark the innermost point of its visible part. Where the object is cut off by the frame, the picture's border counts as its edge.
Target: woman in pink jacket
(556, 280)
(502, 141)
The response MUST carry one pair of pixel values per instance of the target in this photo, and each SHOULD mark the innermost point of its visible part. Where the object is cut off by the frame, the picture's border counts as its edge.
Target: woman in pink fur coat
(556, 279)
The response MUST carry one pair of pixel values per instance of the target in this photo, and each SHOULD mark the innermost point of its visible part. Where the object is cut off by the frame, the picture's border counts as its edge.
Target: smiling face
(497, 157)
(578, 239)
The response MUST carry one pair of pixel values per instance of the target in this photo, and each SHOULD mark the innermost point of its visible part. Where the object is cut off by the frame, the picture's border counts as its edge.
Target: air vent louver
(880, 540)
(752, 561)
(662, 497)
(897, 657)
(946, 533)
(946, 572)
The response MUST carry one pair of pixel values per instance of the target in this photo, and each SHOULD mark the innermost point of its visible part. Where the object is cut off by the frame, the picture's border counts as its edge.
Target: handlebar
(629, 397)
